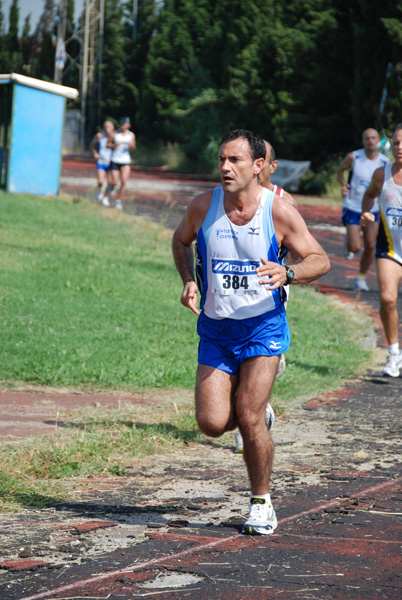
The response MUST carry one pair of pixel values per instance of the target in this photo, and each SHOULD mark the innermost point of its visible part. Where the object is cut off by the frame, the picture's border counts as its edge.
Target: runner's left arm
(292, 231)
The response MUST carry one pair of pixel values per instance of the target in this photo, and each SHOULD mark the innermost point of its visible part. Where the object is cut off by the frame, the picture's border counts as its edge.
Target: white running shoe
(238, 443)
(269, 417)
(361, 284)
(119, 205)
(105, 201)
(394, 361)
(269, 422)
(261, 519)
(99, 195)
(348, 255)
(281, 367)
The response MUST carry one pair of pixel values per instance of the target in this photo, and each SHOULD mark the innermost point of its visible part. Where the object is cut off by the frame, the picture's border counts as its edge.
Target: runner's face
(236, 166)
(370, 139)
(108, 127)
(397, 146)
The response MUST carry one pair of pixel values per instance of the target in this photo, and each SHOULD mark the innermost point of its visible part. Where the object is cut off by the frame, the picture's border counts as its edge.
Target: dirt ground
(170, 526)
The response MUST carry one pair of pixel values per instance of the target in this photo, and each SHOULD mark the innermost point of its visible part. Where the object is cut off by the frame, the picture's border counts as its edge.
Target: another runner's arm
(372, 192)
(291, 258)
(292, 231)
(182, 248)
(132, 144)
(345, 165)
(94, 145)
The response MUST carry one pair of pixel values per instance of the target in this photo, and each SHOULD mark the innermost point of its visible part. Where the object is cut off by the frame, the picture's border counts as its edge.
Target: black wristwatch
(290, 275)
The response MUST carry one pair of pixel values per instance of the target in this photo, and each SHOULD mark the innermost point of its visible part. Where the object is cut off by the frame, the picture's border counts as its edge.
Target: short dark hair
(397, 128)
(255, 141)
(272, 156)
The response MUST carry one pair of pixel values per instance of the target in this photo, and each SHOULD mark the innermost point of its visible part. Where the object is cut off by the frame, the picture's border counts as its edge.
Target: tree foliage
(308, 75)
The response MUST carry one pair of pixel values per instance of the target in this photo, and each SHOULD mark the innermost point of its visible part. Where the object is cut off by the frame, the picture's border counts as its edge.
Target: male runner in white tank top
(361, 165)
(387, 181)
(239, 228)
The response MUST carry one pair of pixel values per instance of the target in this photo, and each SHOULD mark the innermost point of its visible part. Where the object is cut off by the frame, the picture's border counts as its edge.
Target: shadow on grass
(308, 367)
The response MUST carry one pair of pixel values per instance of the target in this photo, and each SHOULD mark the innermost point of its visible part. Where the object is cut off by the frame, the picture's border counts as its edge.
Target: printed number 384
(235, 282)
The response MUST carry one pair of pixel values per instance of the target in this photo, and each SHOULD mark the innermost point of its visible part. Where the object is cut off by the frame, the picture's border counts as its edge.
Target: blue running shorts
(102, 167)
(226, 343)
(350, 217)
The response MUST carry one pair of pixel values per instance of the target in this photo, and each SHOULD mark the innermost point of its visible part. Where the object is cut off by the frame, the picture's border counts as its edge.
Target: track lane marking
(205, 546)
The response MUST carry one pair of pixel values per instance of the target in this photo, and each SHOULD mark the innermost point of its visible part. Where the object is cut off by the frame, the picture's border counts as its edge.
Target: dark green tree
(26, 45)
(393, 81)
(114, 68)
(43, 46)
(12, 36)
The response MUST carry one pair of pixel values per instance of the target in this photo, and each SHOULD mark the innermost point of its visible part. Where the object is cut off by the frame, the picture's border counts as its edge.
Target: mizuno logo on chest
(234, 266)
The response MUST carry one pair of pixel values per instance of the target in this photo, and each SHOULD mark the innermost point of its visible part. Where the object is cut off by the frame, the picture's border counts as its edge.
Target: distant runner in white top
(123, 144)
(387, 185)
(102, 152)
(361, 165)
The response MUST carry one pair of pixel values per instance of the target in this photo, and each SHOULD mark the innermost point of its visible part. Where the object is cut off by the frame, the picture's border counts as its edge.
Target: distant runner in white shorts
(361, 165)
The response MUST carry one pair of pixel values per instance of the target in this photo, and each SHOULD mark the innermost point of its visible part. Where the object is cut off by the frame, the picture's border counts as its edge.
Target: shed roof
(39, 84)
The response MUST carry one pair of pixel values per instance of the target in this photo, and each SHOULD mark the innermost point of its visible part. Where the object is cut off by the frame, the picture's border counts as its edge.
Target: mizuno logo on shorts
(234, 266)
(274, 345)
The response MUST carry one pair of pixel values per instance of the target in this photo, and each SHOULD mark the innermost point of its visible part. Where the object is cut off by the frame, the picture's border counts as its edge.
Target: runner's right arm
(94, 145)
(345, 165)
(182, 247)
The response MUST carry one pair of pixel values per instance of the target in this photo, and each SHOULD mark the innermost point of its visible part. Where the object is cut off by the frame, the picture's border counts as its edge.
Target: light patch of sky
(35, 9)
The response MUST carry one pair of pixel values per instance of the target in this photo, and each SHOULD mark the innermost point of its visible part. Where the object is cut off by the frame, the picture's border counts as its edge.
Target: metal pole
(61, 35)
(84, 73)
(135, 13)
(100, 55)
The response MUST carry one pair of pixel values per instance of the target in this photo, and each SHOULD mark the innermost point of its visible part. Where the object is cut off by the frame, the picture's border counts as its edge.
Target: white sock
(393, 348)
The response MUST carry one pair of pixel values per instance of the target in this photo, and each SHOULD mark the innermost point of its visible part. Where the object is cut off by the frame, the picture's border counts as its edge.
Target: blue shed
(31, 133)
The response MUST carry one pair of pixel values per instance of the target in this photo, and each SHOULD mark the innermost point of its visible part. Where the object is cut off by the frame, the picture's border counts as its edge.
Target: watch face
(290, 275)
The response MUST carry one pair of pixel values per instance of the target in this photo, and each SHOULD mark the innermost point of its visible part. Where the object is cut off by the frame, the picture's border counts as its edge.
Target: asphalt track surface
(338, 497)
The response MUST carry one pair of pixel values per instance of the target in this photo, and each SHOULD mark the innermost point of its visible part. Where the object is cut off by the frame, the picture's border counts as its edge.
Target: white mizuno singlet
(360, 176)
(121, 153)
(227, 257)
(389, 241)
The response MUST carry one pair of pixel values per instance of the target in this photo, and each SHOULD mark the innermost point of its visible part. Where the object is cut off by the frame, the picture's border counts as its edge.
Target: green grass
(330, 343)
(89, 298)
(90, 301)
(91, 443)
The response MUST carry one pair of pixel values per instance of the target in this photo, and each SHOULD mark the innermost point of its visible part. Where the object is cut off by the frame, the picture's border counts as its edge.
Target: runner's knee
(212, 425)
(354, 246)
(388, 300)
